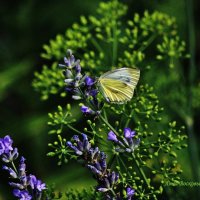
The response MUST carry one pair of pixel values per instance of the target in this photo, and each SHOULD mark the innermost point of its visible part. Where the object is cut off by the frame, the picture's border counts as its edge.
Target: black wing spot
(125, 79)
(125, 84)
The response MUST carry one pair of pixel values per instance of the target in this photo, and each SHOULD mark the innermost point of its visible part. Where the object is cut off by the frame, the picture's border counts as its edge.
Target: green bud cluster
(60, 118)
(49, 81)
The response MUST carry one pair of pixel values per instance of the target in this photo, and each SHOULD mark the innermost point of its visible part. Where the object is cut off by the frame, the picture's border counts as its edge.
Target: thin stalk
(15, 169)
(72, 128)
(108, 124)
(113, 192)
(149, 41)
(129, 119)
(111, 161)
(140, 170)
(125, 167)
(96, 44)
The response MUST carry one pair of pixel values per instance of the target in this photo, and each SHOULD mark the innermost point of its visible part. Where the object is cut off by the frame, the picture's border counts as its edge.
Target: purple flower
(69, 62)
(6, 144)
(94, 170)
(93, 92)
(22, 167)
(130, 192)
(21, 181)
(108, 182)
(78, 67)
(68, 74)
(128, 133)
(114, 177)
(11, 171)
(102, 189)
(32, 180)
(112, 136)
(80, 147)
(77, 151)
(128, 143)
(86, 110)
(103, 161)
(16, 185)
(22, 194)
(36, 184)
(94, 153)
(40, 186)
(89, 81)
(2, 147)
(10, 156)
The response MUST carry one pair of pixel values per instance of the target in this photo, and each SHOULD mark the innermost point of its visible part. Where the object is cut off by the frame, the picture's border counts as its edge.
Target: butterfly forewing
(118, 85)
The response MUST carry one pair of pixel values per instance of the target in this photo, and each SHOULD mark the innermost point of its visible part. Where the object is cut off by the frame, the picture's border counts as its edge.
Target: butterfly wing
(117, 86)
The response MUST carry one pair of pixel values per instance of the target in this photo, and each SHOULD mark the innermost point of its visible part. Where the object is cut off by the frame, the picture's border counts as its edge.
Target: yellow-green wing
(117, 86)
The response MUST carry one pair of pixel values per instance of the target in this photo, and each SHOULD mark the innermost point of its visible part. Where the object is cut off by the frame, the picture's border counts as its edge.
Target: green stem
(129, 118)
(72, 128)
(108, 124)
(125, 167)
(113, 192)
(142, 173)
(13, 165)
(96, 44)
(105, 115)
(148, 42)
(111, 161)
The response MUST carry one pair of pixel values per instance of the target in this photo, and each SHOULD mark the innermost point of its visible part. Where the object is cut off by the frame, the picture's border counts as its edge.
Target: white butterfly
(118, 85)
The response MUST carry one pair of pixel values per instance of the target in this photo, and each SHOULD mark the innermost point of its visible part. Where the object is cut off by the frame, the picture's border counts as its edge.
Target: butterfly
(117, 86)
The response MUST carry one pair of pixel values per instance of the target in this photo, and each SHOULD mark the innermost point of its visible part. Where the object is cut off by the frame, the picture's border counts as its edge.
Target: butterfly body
(118, 85)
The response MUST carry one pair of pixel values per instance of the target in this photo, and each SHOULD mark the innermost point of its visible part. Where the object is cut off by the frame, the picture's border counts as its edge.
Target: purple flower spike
(112, 136)
(128, 133)
(130, 192)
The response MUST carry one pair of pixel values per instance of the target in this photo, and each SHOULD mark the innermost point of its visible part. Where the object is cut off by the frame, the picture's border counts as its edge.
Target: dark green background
(25, 27)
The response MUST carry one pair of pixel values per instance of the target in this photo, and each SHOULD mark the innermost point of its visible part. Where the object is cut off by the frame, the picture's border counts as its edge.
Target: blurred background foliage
(25, 27)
